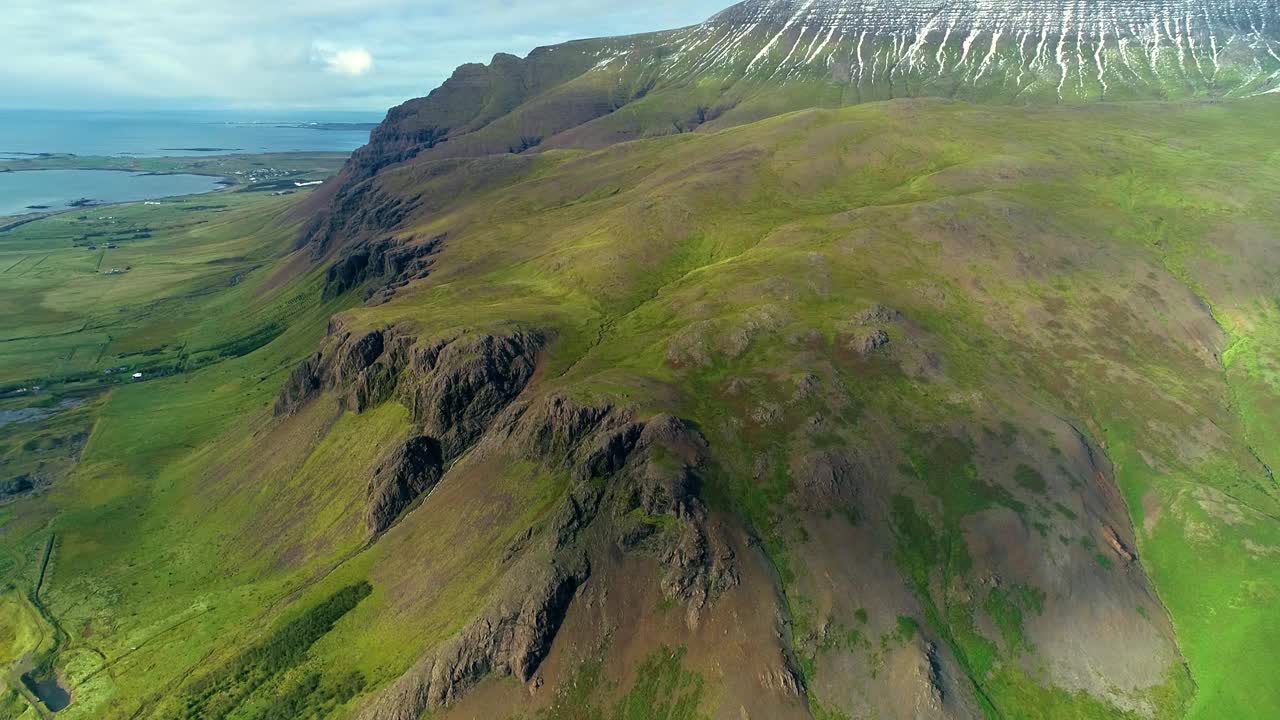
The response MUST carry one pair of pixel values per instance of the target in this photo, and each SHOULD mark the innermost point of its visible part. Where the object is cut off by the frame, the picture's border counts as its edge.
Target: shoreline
(296, 164)
(226, 183)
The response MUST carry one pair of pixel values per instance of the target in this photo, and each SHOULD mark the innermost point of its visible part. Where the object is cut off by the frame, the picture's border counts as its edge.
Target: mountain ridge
(764, 57)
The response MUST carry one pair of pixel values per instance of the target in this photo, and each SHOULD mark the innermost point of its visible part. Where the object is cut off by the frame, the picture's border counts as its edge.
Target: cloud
(317, 54)
(352, 62)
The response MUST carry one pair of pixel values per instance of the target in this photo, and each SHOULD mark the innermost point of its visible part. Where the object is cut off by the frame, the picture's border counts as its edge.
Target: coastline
(222, 185)
(232, 171)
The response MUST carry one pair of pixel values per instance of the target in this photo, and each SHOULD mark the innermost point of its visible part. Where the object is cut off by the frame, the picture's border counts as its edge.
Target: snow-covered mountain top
(1096, 17)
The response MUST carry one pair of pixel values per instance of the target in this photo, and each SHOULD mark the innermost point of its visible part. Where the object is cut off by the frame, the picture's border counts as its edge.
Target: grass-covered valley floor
(910, 409)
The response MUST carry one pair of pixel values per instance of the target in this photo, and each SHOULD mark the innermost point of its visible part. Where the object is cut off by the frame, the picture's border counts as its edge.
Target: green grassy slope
(1109, 269)
(1072, 248)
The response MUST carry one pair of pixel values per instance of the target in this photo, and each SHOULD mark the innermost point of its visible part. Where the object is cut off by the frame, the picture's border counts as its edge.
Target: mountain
(761, 58)
(715, 373)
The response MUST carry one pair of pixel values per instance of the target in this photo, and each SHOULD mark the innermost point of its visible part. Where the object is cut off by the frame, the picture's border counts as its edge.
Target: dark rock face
(667, 483)
(358, 210)
(609, 451)
(447, 123)
(627, 473)
(659, 510)
(362, 368)
(555, 427)
(475, 95)
(454, 388)
(411, 470)
(652, 472)
(357, 354)
(303, 383)
(458, 388)
(510, 638)
(393, 262)
(16, 486)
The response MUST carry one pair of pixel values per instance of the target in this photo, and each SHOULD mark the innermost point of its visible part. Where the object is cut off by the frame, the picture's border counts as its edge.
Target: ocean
(160, 133)
(28, 133)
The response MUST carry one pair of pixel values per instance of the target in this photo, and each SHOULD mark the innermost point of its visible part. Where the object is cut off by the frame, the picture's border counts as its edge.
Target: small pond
(53, 695)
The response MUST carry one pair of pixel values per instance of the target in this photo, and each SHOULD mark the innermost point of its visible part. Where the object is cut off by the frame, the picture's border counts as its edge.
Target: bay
(31, 191)
(187, 133)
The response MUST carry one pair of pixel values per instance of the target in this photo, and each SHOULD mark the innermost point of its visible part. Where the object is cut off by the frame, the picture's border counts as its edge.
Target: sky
(282, 54)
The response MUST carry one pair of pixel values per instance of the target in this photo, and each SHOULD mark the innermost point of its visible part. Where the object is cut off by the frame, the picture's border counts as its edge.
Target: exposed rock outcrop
(1117, 545)
(409, 471)
(457, 388)
(362, 368)
(510, 638)
(16, 486)
(357, 210)
(303, 383)
(634, 481)
(658, 508)
(880, 314)
(454, 387)
(457, 118)
(870, 341)
(394, 263)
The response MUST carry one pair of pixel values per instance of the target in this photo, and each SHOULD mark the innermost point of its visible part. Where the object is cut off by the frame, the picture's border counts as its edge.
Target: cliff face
(473, 97)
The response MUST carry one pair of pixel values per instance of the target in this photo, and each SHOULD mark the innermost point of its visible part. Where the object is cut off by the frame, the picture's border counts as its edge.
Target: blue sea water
(24, 133)
(31, 191)
(158, 133)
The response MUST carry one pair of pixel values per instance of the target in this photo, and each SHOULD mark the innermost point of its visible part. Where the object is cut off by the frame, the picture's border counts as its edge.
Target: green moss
(219, 693)
(663, 690)
(1005, 607)
(907, 627)
(947, 469)
(1029, 478)
(1024, 697)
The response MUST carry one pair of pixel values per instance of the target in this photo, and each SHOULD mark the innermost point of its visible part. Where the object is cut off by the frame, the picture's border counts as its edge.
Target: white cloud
(247, 53)
(353, 62)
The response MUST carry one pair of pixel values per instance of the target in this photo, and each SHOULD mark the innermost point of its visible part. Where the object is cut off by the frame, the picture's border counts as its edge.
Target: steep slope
(911, 409)
(893, 332)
